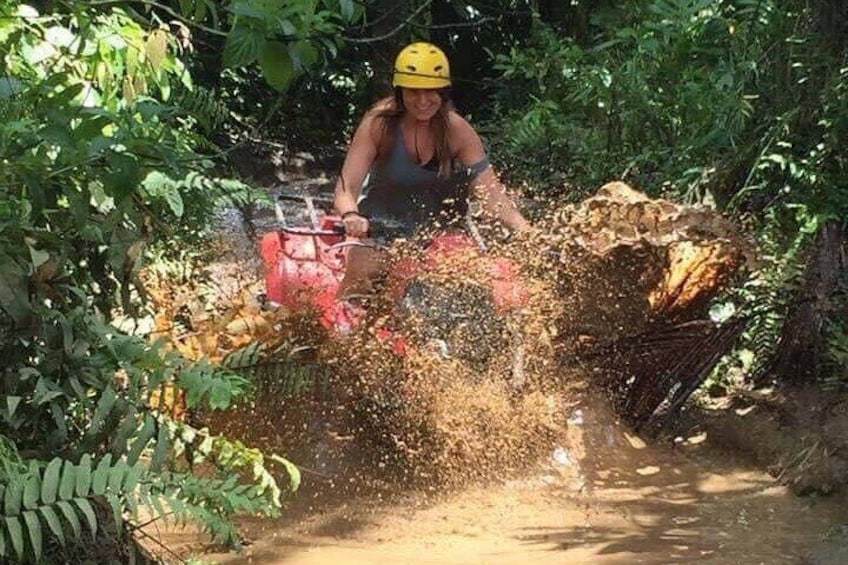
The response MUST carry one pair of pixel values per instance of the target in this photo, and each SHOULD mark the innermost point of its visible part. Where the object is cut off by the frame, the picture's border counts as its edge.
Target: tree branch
(474, 23)
(164, 8)
(399, 27)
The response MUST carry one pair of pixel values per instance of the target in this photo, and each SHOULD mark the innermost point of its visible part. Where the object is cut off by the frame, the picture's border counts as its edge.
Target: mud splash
(442, 383)
(481, 385)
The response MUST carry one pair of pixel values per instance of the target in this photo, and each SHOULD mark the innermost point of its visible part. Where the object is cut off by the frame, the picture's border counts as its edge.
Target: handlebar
(305, 198)
(378, 227)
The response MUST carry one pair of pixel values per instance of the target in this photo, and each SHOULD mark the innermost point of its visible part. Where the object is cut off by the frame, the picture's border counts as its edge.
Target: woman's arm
(487, 187)
(496, 202)
(357, 163)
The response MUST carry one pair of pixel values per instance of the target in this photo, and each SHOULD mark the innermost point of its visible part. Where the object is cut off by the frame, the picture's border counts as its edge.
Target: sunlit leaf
(59, 36)
(156, 47)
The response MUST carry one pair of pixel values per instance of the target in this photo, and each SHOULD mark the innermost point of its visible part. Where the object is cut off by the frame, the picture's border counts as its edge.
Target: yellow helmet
(421, 65)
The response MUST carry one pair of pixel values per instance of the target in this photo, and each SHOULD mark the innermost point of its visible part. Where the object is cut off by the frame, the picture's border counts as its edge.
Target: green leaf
(187, 8)
(104, 407)
(147, 432)
(67, 481)
(304, 53)
(50, 481)
(179, 508)
(38, 53)
(329, 45)
(67, 94)
(12, 497)
(204, 6)
(32, 492)
(71, 516)
(59, 36)
(116, 476)
(158, 508)
(123, 177)
(37, 256)
(163, 446)
(100, 476)
(84, 475)
(243, 46)
(91, 127)
(175, 202)
(14, 290)
(287, 27)
(117, 511)
(246, 357)
(85, 507)
(10, 87)
(12, 403)
(26, 11)
(13, 526)
(248, 8)
(276, 64)
(347, 9)
(291, 469)
(125, 431)
(131, 480)
(34, 529)
(45, 391)
(196, 383)
(53, 522)
(77, 388)
(160, 185)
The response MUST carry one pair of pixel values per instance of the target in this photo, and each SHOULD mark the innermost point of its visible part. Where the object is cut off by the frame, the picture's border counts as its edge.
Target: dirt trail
(626, 502)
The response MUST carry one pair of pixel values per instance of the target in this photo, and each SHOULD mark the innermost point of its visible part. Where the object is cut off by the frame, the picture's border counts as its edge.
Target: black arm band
(351, 213)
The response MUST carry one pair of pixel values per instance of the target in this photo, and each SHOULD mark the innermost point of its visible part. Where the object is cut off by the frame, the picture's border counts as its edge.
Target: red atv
(305, 265)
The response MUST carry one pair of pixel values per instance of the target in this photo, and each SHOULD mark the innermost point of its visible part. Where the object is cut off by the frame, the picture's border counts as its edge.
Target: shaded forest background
(126, 125)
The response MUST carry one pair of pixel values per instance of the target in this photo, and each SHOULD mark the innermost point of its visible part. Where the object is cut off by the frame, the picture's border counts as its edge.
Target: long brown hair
(391, 109)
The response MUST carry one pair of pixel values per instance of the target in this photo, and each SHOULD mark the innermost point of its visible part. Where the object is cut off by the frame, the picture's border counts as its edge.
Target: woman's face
(421, 103)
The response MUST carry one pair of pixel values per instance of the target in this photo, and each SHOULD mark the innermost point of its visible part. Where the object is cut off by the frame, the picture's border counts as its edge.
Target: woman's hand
(355, 224)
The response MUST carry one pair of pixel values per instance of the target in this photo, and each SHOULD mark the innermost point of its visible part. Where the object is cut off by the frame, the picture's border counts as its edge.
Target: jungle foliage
(737, 103)
(106, 162)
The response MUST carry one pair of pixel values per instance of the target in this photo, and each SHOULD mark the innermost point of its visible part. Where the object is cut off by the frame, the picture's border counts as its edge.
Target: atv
(465, 319)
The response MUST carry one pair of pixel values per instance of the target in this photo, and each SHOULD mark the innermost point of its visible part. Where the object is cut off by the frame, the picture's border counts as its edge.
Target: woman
(422, 160)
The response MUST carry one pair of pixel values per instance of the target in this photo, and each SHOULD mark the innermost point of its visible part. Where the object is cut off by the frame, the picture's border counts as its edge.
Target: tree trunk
(635, 281)
(801, 348)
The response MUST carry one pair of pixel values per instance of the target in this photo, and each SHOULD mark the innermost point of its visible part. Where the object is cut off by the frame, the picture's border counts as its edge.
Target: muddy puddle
(602, 497)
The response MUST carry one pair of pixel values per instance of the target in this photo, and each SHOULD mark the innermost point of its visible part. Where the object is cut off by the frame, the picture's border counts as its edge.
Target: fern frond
(209, 502)
(217, 386)
(246, 357)
(203, 105)
(235, 459)
(49, 503)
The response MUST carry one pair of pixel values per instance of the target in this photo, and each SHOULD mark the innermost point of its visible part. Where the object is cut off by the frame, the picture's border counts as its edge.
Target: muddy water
(606, 498)
(603, 497)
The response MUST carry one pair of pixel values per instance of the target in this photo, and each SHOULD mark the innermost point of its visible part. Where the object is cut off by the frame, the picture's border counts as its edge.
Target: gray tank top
(403, 196)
